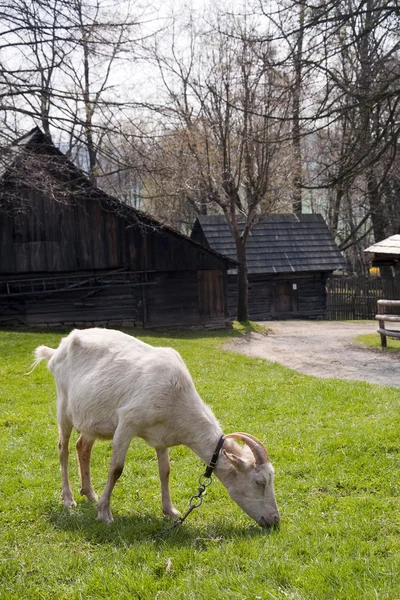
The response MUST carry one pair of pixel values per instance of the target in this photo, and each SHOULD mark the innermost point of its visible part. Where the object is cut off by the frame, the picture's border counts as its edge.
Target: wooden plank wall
(44, 236)
(311, 295)
(260, 297)
(309, 298)
(163, 300)
(175, 301)
(211, 293)
(108, 304)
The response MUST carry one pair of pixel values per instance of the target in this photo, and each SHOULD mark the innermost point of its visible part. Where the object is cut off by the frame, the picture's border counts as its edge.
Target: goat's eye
(261, 482)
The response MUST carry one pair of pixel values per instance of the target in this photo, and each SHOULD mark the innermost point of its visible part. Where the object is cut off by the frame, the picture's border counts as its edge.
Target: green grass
(335, 446)
(373, 340)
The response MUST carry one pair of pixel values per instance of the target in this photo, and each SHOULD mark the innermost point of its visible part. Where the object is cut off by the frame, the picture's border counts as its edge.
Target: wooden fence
(354, 298)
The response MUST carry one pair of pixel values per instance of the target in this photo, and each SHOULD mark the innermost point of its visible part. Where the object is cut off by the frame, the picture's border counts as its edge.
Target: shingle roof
(278, 243)
(390, 245)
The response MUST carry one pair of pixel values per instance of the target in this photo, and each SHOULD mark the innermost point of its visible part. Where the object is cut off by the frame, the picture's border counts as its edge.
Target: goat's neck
(205, 448)
(203, 436)
(205, 443)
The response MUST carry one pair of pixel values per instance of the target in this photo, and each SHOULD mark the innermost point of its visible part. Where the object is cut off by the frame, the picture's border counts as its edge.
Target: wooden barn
(289, 259)
(71, 254)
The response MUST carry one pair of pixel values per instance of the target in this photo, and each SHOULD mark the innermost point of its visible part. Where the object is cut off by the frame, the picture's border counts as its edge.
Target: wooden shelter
(386, 253)
(289, 259)
(71, 254)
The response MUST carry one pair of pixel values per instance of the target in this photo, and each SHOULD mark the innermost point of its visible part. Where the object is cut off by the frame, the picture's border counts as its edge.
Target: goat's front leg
(121, 441)
(63, 449)
(84, 449)
(164, 470)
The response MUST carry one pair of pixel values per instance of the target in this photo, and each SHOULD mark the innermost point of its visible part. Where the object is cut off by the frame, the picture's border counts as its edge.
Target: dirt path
(322, 349)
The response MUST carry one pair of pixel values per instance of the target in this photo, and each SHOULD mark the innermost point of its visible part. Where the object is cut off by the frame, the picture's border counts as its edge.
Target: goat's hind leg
(63, 449)
(84, 448)
(164, 470)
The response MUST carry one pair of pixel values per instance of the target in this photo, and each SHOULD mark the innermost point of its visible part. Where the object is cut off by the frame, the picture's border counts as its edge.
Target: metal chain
(194, 502)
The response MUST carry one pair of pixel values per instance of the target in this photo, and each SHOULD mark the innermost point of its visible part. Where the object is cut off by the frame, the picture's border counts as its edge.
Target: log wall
(169, 299)
(308, 300)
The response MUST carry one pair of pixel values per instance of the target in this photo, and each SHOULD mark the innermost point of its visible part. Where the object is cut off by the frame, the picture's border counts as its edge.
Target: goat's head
(251, 480)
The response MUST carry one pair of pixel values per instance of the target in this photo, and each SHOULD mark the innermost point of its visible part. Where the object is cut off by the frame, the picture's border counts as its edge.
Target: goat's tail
(41, 353)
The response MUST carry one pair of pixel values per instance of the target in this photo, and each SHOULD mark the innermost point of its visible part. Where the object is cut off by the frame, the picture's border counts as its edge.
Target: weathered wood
(394, 318)
(392, 333)
(86, 238)
(388, 303)
(381, 328)
(289, 258)
(356, 297)
(159, 299)
(382, 317)
(307, 300)
(211, 297)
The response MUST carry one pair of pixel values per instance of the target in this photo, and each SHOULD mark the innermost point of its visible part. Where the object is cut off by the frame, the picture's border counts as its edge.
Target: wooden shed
(71, 254)
(386, 253)
(289, 259)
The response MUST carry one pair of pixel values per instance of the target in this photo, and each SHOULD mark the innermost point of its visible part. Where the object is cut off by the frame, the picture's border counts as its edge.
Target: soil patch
(322, 349)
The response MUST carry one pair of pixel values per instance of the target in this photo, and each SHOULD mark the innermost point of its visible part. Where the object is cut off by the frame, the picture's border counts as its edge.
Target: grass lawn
(373, 340)
(335, 446)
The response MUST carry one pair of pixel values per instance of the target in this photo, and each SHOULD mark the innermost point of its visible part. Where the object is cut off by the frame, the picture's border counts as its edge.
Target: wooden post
(381, 311)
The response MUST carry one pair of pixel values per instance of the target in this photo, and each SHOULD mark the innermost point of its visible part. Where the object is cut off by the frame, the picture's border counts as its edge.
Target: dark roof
(277, 243)
(34, 160)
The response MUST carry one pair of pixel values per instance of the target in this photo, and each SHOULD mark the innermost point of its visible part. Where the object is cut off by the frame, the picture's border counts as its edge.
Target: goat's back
(100, 372)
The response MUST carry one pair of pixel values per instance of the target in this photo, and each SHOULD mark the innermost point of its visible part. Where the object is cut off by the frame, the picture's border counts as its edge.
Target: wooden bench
(382, 317)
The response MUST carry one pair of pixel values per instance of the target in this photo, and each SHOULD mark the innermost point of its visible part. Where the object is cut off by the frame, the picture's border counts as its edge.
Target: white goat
(111, 385)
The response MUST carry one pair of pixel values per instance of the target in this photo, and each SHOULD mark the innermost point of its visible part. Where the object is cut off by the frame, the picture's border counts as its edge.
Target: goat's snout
(272, 521)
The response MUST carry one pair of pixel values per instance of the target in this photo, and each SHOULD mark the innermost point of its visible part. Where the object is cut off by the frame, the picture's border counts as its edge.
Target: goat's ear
(239, 463)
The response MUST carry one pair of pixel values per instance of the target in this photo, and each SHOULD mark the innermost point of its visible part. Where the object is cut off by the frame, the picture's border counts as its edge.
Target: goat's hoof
(70, 503)
(106, 520)
(105, 515)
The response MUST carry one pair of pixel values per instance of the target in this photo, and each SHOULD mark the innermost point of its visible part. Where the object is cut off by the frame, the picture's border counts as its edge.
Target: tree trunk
(297, 156)
(379, 217)
(379, 224)
(243, 287)
(335, 209)
(45, 109)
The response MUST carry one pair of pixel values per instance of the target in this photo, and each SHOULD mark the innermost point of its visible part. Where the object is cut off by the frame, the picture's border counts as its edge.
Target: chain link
(195, 501)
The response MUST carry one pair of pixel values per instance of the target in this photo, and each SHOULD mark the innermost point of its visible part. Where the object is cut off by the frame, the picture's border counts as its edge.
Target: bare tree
(33, 46)
(348, 53)
(224, 110)
(63, 67)
(362, 94)
(103, 44)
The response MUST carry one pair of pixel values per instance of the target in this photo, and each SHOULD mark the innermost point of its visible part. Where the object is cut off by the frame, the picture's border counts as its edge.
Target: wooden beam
(392, 333)
(388, 303)
(394, 318)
